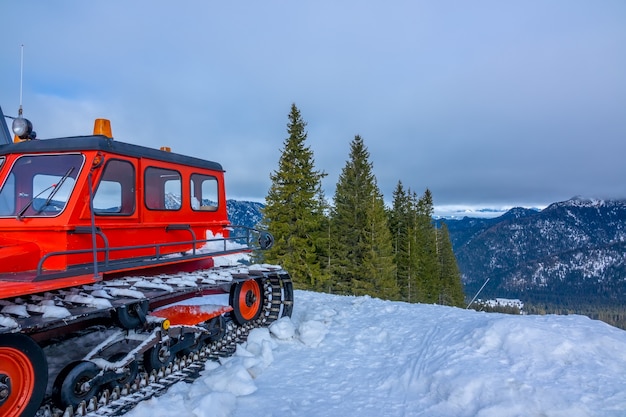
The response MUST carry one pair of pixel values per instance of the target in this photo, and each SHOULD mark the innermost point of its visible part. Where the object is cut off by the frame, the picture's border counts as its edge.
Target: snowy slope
(358, 356)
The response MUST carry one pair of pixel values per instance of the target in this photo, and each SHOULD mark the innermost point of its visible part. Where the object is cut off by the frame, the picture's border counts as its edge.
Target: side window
(115, 193)
(204, 192)
(7, 193)
(7, 197)
(162, 189)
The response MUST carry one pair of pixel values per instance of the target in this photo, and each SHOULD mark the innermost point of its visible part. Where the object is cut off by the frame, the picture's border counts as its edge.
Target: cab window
(7, 196)
(204, 192)
(162, 189)
(115, 193)
(39, 185)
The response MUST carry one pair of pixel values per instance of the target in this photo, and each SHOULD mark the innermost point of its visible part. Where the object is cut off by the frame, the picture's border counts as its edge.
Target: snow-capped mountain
(240, 213)
(244, 213)
(572, 250)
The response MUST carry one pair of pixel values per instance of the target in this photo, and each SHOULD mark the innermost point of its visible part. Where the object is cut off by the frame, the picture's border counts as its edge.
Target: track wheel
(194, 348)
(246, 300)
(157, 357)
(23, 375)
(75, 384)
(217, 328)
(131, 372)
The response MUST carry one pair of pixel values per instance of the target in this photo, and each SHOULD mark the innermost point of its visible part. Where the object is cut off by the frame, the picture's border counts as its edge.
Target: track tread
(278, 298)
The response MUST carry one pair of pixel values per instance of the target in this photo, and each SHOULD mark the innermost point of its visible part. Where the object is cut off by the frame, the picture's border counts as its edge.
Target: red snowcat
(113, 280)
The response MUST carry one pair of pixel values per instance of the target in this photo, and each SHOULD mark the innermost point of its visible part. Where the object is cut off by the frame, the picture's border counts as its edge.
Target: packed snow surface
(360, 356)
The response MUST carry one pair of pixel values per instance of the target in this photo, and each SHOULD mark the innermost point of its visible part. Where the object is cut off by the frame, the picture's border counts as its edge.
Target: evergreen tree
(322, 239)
(451, 292)
(427, 271)
(414, 288)
(401, 225)
(293, 213)
(361, 247)
(427, 265)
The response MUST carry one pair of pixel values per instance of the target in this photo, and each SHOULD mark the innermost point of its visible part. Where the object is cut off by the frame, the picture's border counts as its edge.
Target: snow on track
(359, 356)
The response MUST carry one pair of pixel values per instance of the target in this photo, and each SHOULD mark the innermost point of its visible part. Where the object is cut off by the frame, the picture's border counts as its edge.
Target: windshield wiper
(55, 188)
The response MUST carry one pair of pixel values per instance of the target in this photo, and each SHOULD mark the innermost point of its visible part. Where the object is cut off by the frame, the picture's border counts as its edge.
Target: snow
(88, 300)
(8, 322)
(46, 308)
(360, 356)
(123, 292)
(16, 310)
(154, 283)
(49, 311)
(503, 302)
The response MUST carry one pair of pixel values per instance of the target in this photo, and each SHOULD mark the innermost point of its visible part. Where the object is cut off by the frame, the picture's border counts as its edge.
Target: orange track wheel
(23, 375)
(246, 300)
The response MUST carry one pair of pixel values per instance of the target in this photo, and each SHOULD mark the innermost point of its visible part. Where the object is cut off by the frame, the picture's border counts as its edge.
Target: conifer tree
(451, 292)
(292, 210)
(427, 271)
(361, 248)
(415, 285)
(322, 239)
(401, 225)
(427, 267)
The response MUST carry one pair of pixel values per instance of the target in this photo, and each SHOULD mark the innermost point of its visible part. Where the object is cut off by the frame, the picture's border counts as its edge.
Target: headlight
(22, 128)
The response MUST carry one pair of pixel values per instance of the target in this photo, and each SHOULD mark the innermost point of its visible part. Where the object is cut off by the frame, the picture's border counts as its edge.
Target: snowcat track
(154, 384)
(278, 302)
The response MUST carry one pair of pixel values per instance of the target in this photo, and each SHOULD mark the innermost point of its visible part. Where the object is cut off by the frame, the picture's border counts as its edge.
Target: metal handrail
(184, 227)
(90, 230)
(158, 249)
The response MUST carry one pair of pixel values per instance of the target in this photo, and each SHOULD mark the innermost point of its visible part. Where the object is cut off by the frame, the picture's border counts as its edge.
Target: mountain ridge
(244, 213)
(573, 249)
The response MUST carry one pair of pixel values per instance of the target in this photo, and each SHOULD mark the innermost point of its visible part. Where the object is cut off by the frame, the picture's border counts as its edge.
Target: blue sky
(487, 103)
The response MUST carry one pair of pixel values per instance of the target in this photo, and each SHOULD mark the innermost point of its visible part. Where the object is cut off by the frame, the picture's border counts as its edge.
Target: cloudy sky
(488, 103)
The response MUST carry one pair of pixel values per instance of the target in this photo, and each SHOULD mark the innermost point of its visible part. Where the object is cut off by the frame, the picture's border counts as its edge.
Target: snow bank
(215, 393)
(358, 356)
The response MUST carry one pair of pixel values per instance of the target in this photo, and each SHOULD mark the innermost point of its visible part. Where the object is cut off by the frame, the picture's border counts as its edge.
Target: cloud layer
(485, 103)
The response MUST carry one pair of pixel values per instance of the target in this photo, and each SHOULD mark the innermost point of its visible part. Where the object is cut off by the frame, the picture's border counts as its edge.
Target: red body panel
(191, 315)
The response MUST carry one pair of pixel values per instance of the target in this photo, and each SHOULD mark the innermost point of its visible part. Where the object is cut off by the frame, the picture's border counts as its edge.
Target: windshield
(39, 185)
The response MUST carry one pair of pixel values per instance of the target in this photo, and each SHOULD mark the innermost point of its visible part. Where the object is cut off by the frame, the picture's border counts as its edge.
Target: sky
(486, 103)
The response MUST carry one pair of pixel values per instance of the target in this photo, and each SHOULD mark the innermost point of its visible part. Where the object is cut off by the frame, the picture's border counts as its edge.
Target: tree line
(355, 245)
(610, 313)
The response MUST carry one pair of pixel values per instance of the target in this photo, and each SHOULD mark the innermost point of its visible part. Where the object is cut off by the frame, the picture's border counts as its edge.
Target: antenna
(22, 128)
(19, 112)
